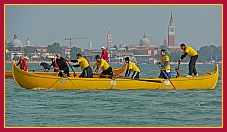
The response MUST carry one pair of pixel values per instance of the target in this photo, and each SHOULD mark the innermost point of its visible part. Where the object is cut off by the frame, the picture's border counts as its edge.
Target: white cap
(103, 47)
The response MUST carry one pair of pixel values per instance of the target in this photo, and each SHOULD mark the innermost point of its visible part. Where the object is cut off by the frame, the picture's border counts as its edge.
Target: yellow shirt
(191, 52)
(83, 63)
(132, 66)
(102, 63)
(163, 60)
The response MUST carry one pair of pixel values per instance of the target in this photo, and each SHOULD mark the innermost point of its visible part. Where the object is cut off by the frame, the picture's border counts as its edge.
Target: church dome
(144, 42)
(16, 42)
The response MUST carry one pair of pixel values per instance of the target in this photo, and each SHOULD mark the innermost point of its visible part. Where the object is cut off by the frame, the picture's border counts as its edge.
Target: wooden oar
(142, 79)
(99, 74)
(35, 70)
(166, 76)
(38, 69)
(71, 68)
(147, 80)
(178, 70)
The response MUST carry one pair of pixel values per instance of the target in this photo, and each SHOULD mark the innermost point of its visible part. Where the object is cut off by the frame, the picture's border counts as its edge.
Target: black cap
(163, 50)
(52, 59)
(127, 58)
(182, 44)
(97, 57)
(78, 54)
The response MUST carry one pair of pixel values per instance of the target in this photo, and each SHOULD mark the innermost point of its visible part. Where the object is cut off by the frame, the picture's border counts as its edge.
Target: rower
(45, 66)
(54, 64)
(22, 63)
(188, 50)
(164, 65)
(132, 67)
(63, 67)
(84, 65)
(102, 64)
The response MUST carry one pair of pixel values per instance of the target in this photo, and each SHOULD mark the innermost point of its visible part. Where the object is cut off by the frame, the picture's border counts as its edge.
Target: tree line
(206, 53)
(54, 48)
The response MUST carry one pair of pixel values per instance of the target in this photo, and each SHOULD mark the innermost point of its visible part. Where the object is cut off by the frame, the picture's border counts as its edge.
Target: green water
(116, 108)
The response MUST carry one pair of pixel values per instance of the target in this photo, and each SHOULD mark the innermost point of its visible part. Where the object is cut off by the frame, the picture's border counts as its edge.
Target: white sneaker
(189, 76)
(197, 74)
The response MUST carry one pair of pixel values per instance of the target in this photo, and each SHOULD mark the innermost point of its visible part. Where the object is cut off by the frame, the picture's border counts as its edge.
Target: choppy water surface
(147, 108)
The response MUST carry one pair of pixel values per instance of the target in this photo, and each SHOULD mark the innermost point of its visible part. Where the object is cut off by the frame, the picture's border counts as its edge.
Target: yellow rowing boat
(33, 80)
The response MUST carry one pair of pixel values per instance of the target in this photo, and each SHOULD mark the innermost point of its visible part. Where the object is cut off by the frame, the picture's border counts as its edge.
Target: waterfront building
(144, 42)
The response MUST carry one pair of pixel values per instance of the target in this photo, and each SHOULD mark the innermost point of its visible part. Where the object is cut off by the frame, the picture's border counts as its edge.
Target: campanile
(171, 32)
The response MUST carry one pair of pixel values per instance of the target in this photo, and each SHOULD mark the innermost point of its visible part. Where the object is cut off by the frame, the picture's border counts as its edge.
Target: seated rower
(54, 64)
(132, 67)
(45, 66)
(102, 64)
(22, 63)
(63, 67)
(83, 63)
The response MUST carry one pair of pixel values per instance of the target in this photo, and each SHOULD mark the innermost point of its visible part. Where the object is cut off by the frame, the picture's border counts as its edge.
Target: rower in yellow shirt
(83, 63)
(164, 65)
(102, 64)
(188, 50)
(132, 67)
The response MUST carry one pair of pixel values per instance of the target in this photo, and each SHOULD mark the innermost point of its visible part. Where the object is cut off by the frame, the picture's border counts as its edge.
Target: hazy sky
(195, 25)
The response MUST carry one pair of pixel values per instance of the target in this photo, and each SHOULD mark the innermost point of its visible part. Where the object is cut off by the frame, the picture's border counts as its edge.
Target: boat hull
(33, 80)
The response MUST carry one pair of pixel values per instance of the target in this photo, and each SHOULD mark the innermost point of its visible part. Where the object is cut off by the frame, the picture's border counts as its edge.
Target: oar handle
(166, 76)
(71, 68)
(178, 66)
(163, 72)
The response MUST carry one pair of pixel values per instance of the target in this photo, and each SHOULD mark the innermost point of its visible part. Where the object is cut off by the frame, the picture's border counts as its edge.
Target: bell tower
(90, 45)
(171, 32)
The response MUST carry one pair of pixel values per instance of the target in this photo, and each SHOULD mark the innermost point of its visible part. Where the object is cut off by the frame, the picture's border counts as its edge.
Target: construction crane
(72, 38)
